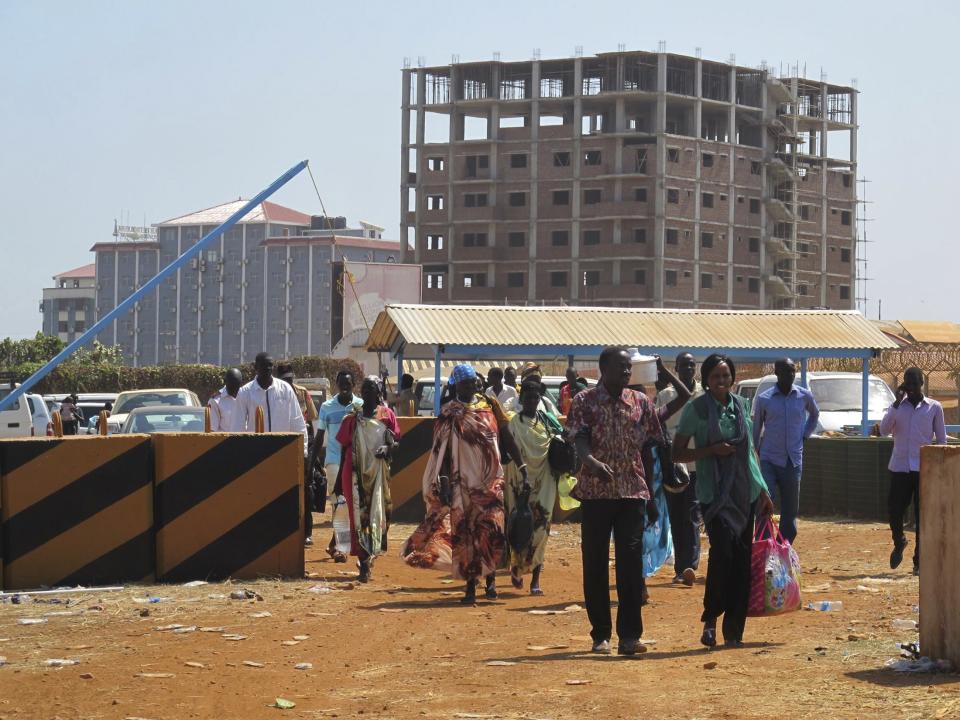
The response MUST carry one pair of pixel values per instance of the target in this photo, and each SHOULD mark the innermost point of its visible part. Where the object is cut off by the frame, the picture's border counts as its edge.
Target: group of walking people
(700, 452)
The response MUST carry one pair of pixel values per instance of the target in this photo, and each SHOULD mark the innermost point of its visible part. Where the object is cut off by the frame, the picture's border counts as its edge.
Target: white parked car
(164, 418)
(130, 400)
(839, 396)
(28, 417)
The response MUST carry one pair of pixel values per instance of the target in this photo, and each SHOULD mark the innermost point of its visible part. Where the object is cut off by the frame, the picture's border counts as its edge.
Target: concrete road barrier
(229, 506)
(76, 511)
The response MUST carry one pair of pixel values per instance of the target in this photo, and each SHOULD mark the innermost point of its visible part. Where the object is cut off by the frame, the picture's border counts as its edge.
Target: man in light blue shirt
(783, 417)
(332, 413)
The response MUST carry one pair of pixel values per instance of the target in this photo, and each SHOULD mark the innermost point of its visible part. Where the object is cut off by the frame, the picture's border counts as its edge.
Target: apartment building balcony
(777, 286)
(779, 171)
(778, 248)
(778, 210)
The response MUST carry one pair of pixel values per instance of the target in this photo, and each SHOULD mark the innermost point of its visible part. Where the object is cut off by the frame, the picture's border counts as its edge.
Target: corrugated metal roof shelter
(490, 331)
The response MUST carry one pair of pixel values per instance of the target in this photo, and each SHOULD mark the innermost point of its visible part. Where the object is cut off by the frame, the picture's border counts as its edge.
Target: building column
(575, 200)
(404, 162)
(532, 235)
(660, 126)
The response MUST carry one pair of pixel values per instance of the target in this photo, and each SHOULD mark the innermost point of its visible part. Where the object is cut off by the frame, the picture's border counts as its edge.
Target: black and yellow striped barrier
(407, 468)
(228, 506)
(76, 510)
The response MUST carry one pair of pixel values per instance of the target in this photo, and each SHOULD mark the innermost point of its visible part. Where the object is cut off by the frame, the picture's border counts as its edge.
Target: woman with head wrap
(532, 371)
(367, 437)
(463, 489)
(532, 429)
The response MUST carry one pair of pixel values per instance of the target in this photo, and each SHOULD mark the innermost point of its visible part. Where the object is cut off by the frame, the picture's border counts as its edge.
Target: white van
(42, 424)
(839, 396)
(18, 420)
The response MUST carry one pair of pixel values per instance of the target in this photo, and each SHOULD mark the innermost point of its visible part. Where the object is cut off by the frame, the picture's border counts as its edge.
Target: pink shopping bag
(774, 573)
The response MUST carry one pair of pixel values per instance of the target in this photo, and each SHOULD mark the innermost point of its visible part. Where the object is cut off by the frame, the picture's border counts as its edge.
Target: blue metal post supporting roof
(151, 284)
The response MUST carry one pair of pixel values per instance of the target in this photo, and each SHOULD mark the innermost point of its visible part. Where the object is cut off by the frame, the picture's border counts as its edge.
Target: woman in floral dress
(463, 489)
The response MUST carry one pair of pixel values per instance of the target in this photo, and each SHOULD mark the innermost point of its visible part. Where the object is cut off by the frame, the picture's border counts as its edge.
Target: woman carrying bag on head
(731, 491)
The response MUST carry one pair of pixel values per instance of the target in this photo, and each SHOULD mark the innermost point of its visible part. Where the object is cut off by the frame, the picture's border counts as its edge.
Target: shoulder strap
(700, 405)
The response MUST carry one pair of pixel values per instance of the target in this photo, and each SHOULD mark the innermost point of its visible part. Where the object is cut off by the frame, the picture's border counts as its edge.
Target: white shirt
(507, 397)
(281, 409)
(225, 415)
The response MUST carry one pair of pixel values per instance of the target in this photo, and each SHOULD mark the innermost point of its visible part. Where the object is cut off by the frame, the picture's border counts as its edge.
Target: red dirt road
(403, 647)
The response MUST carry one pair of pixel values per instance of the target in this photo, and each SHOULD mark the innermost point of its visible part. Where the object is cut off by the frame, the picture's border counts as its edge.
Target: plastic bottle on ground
(900, 624)
(826, 605)
(341, 525)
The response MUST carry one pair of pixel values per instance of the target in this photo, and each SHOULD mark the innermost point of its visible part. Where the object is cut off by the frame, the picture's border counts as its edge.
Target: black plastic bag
(520, 532)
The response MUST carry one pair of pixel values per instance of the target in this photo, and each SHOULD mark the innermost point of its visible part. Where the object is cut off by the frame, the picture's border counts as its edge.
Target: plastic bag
(774, 573)
(564, 487)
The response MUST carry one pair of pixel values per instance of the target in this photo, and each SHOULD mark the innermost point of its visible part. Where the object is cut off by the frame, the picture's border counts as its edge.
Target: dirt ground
(403, 647)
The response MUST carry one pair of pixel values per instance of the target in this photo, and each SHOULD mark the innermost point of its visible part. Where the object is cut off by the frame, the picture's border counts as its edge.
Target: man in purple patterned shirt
(913, 424)
(611, 425)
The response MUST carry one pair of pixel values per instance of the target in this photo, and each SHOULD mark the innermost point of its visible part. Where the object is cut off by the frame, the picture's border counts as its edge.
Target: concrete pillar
(404, 162)
(421, 164)
(532, 238)
(575, 200)
(659, 230)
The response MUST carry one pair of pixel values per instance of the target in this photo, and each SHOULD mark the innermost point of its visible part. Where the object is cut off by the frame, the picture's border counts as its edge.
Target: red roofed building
(68, 306)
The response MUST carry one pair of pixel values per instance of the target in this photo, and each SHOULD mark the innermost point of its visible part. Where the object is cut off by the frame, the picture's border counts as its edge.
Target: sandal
(515, 578)
(364, 571)
(536, 592)
(709, 637)
(470, 595)
(336, 555)
(491, 591)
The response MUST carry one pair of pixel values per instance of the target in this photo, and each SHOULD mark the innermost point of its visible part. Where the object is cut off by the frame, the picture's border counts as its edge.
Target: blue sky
(136, 110)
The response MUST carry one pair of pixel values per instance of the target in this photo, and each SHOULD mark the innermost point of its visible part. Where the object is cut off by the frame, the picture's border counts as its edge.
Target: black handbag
(520, 523)
(562, 453)
(676, 479)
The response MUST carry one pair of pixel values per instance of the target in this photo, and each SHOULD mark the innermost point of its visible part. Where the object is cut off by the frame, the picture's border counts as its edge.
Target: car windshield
(132, 402)
(845, 394)
(426, 397)
(163, 420)
(6, 391)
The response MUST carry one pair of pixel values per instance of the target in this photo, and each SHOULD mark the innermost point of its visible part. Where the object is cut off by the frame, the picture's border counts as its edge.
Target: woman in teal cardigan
(731, 492)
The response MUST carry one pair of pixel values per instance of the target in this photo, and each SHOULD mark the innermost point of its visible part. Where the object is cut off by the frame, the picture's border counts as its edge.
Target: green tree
(38, 349)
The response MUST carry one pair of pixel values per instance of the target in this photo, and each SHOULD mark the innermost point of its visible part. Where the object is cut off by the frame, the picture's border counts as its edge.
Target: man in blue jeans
(783, 417)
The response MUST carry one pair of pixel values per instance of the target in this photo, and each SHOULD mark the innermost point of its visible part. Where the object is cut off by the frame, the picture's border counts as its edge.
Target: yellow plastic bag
(564, 486)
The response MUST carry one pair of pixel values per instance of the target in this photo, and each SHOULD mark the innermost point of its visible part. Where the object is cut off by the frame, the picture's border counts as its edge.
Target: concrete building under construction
(631, 179)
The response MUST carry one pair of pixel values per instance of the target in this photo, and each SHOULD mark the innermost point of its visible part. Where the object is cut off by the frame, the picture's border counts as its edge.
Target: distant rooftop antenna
(662, 46)
(733, 59)
(454, 59)
(823, 75)
(621, 47)
(578, 51)
(421, 61)
(536, 53)
(406, 63)
(496, 56)
(698, 52)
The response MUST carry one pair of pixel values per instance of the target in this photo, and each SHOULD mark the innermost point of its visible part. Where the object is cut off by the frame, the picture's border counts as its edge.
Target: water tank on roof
(322, 222)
